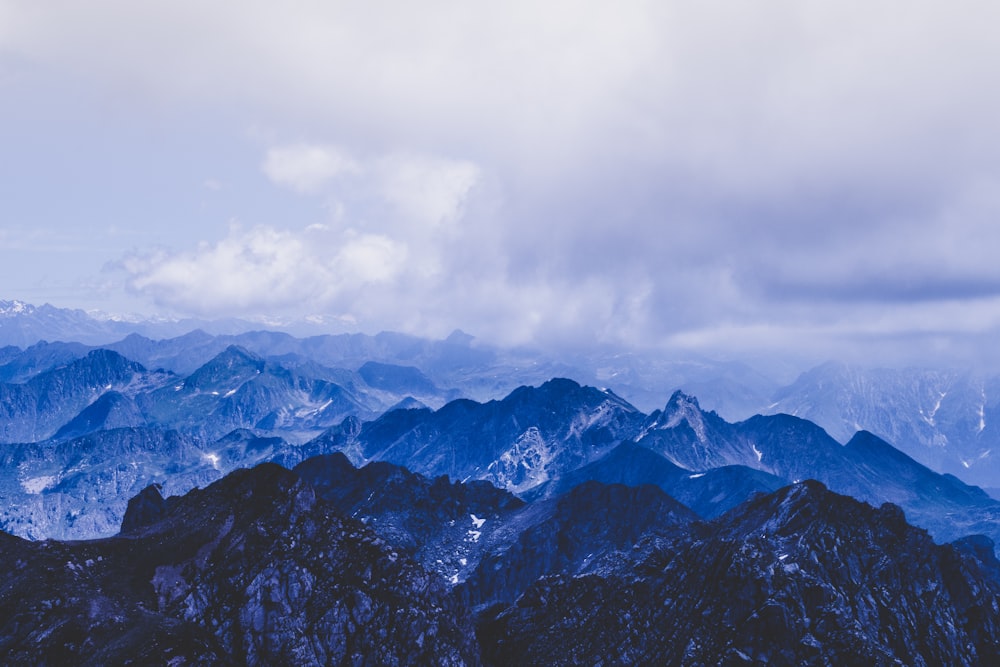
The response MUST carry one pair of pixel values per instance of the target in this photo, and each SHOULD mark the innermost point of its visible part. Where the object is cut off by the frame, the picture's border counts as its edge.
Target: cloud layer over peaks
(807, 176)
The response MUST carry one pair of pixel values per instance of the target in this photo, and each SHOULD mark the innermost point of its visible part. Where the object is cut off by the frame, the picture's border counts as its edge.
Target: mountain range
(329, 565)
(83, 437)
(944, 418)
(255, 498)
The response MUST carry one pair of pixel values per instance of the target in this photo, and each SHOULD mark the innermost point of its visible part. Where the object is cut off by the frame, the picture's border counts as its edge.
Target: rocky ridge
(255, 570)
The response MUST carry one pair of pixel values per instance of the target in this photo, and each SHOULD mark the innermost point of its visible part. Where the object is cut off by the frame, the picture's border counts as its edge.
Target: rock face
(260, 568)
(801, 576)
(79, 488)
(443, 525)
(36, 409)
(793, 449)
(252, 570)
(583, 531)
(516, 443)
(947, 420)
(538, 442)
(485, 541)
(76, 484)
(239, 389)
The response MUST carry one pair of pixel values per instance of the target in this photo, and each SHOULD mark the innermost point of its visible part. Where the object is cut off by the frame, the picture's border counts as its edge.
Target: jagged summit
(800, 576)
(680, 399)
(516, 442)
(144, 509)
(254, 569)
(263, 566)
(796, 509)
(15, 307)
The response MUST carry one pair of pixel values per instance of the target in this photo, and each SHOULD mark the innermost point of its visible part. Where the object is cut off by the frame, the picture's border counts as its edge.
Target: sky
(720, 178)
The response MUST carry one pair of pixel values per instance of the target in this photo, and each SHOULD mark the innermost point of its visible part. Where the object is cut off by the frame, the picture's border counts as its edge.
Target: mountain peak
(112, 409)
(679, 398)
(238, 352)
(560, 384)
(144, 509)
(15, 308)
(232, 366)
(684, 408)
(459, 337)
(809, 505)
(866, 440)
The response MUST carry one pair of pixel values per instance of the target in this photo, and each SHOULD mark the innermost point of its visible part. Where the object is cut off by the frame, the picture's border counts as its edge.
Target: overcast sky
(723, 177)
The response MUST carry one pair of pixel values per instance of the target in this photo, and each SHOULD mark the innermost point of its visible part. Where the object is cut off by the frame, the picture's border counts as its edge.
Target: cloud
(306, 168)
(263, 269)
(422, 189)
(657, 173)
(429, 190)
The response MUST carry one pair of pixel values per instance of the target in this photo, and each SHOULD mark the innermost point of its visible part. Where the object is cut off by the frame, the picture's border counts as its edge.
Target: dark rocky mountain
(444, 525)
(718, 490)
(240, 409)
(485, 540)
(628, 463)
(516, 443)
(794, 449)
(78, 488)
(799, 577)
(254, 570)
(265, 567)
(583, 531)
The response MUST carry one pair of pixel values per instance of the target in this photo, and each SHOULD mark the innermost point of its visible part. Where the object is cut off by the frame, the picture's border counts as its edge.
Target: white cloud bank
(263, 269)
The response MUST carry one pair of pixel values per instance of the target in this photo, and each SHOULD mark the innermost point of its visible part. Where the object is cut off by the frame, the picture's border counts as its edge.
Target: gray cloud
(700, 175)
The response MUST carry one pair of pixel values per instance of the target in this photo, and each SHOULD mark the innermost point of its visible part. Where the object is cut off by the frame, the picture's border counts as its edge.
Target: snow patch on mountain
(982, 412)
(213, 459)
(929, 416)
(15, 308)
(35, 485)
